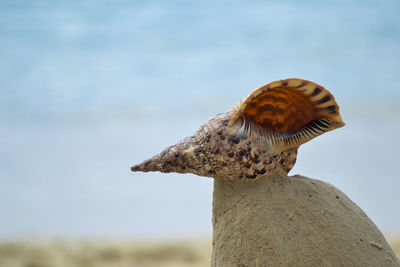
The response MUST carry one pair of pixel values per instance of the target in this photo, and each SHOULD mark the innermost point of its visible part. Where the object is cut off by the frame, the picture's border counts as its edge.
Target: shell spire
(177, 158)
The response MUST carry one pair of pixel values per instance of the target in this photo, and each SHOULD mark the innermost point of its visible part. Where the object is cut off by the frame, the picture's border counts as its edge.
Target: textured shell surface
(257, 138)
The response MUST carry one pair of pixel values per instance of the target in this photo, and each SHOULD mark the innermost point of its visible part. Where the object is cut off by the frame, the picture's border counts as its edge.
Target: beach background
(89, 88)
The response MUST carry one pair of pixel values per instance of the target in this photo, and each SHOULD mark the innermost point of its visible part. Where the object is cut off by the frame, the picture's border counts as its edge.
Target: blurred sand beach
(92, 253)
(96, 253)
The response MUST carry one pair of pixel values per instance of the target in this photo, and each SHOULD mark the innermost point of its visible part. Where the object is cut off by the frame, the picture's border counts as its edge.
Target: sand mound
(293, 221)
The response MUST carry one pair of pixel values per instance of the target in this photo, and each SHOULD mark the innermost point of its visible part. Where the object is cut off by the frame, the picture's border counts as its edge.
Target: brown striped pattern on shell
(287, 105)
(285, 114)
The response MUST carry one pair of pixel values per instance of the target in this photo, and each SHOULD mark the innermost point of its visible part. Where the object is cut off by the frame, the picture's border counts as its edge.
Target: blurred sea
(88, 88)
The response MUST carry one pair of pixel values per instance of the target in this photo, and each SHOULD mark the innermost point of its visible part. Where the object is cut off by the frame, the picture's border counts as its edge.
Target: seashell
(259, 137)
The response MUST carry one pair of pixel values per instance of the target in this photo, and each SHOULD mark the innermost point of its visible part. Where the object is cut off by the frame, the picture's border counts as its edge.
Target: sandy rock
(292, 221)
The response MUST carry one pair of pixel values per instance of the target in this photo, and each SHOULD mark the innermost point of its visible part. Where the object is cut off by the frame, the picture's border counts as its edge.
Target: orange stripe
(281, 109)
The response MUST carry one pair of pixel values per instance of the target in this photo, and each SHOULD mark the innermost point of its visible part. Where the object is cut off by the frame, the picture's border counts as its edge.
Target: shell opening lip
(337, 123)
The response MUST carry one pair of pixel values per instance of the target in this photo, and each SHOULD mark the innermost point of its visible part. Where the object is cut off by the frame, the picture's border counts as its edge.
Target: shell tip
(137, 168)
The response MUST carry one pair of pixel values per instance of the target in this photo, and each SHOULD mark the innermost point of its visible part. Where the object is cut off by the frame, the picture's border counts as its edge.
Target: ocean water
(89, 88)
